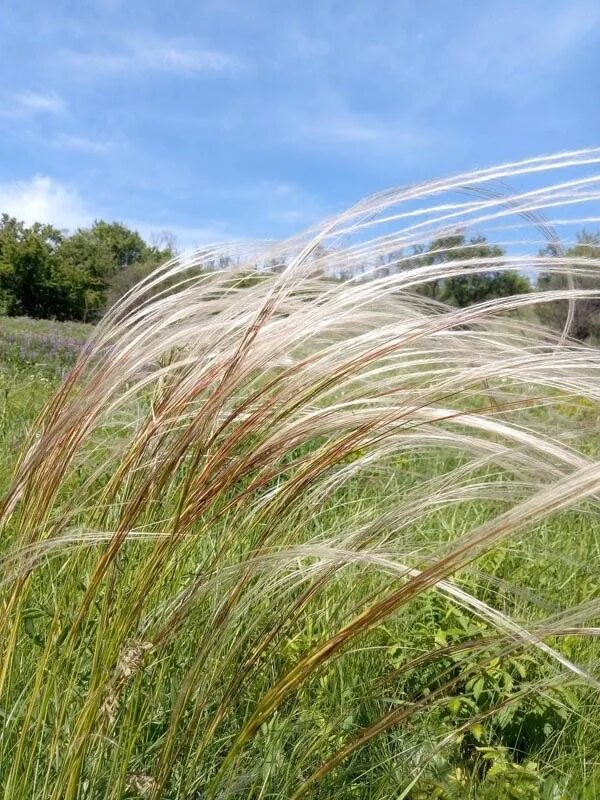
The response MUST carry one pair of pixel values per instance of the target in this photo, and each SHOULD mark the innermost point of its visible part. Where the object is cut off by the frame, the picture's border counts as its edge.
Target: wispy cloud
(47, 200)
(43, 199)
(273, 118)
(29, 104)
(187, 237)
(336, 129)
(279, 201)
(149, 53)
(518, 47)
(84, 144)
(331, 123)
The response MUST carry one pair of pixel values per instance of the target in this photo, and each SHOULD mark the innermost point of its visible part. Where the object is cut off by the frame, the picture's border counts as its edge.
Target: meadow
(300, 537)
(34, 356)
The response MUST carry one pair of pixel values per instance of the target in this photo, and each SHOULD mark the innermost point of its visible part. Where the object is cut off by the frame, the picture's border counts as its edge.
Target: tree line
(48, 273)
(477, 287)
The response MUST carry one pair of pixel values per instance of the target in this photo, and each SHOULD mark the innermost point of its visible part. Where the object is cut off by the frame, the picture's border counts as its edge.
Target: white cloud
(335, 125)
(260, 191)
(187, 237)
(343, 128)
(25, 104)
(279, 201)
(43, 199)
(517, 45)
(149, 53)
(84, 144)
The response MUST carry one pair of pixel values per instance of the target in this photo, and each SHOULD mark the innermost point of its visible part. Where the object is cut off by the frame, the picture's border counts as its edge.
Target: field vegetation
(306, 525)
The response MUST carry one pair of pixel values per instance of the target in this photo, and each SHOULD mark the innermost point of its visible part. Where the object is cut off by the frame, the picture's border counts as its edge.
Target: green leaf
(455, 705)
(477, 731)
(478, 688)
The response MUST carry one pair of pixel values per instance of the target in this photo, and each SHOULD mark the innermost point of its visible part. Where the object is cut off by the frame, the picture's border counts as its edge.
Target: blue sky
(225, 119)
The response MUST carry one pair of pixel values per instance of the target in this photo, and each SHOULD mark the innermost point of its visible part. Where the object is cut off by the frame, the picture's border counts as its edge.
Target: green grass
(278, 535)
(34, 356)
(545, 745)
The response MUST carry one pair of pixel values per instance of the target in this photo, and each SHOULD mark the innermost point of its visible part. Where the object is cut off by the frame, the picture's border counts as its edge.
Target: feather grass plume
(274, 464)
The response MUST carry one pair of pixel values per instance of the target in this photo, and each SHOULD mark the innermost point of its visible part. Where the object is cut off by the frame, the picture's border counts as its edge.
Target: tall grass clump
(281, 534)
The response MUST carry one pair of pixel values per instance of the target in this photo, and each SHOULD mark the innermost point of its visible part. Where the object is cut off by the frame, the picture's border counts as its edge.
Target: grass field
(544, 744)
(277, 535)
(34, 355)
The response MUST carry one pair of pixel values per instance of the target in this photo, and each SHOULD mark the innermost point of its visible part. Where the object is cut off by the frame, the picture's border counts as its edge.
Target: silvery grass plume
(271, 468)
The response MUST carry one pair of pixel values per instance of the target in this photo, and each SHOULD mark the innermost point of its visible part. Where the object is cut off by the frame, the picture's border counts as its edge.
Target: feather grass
(252, 478)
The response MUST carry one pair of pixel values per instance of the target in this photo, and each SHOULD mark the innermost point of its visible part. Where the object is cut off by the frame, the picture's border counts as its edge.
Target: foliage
(47, 273)
(28, 268)
(492, 750)
(294, 537)
(585, 324)
(475, 286)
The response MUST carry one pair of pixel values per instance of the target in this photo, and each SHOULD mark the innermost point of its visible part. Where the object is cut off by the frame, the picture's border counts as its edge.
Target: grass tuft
(303, 532)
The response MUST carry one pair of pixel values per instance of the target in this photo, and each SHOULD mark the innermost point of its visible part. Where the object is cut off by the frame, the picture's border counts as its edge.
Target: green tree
(107, 247)
(28, 258)
(475, 287)
(136, 263)
(46, 273)
(586, 318)
(100, 263)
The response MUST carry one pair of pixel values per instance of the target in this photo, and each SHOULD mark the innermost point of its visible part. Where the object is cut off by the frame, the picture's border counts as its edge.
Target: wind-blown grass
(286, 536)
